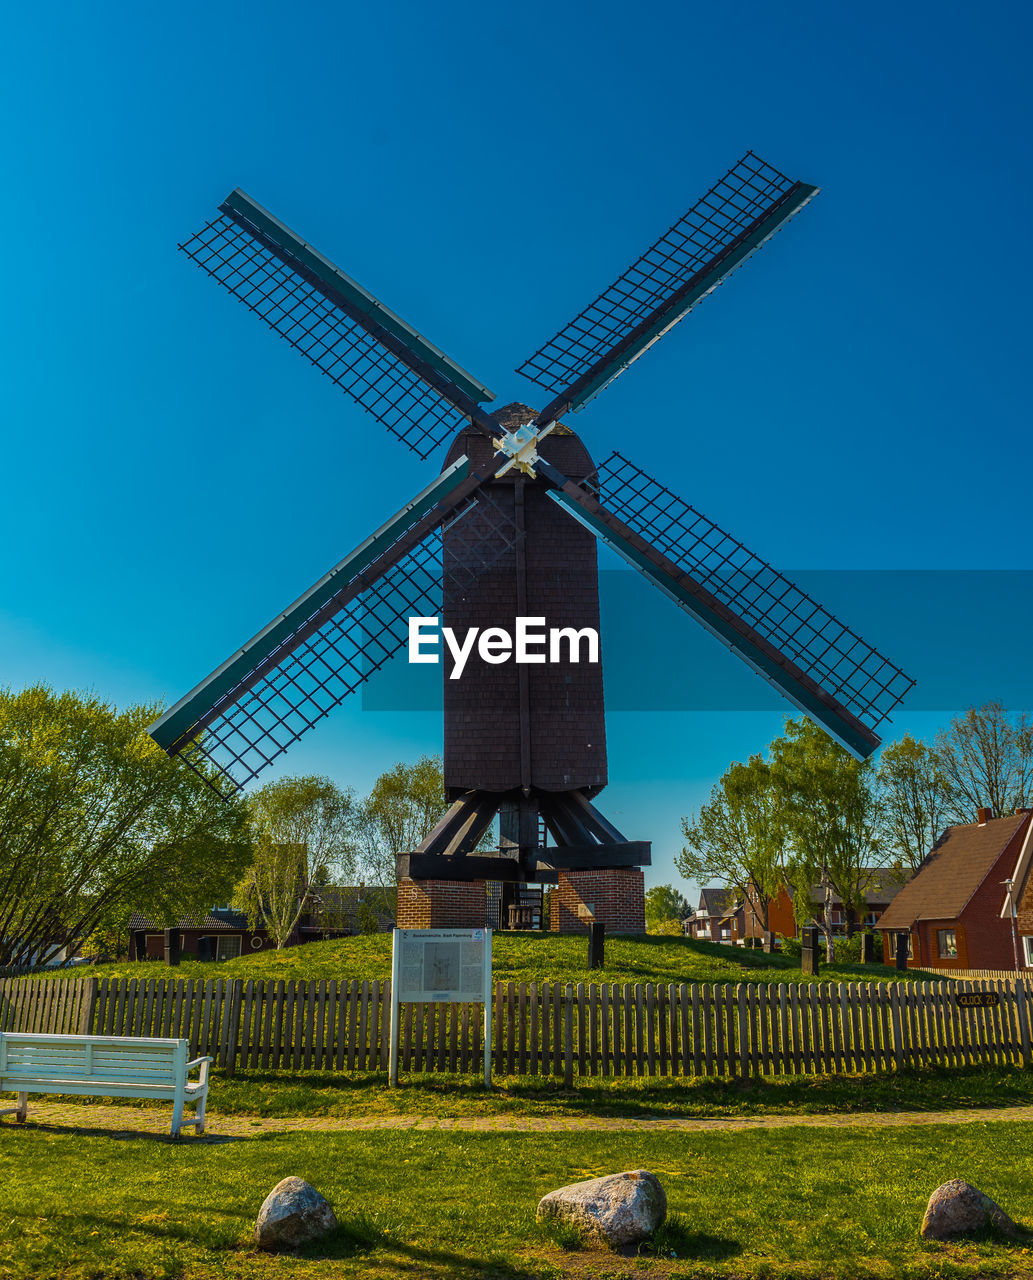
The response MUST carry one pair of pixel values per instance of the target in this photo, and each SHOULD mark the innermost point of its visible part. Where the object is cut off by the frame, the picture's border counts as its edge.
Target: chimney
(983, 816)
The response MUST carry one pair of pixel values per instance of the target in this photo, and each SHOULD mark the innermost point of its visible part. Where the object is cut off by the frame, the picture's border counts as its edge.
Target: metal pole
(487, 1008)
(395, 965)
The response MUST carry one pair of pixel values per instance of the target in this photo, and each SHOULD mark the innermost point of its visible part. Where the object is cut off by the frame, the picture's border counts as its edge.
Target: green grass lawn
(287, 1095)
(283, 1094)
(517, 957)
(789, 1203)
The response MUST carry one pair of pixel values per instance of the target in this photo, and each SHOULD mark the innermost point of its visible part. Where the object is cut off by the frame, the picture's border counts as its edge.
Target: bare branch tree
(987, 758)
(916, 799)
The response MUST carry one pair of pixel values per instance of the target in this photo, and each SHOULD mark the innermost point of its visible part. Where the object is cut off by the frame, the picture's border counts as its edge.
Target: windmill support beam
(586, 840)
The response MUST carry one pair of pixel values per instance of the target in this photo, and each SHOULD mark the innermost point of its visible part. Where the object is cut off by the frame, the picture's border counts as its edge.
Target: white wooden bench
(106, 1067)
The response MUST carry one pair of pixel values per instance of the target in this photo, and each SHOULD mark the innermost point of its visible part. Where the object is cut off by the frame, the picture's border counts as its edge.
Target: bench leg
(177, 1117)
(23, 1107)
(199, 1115)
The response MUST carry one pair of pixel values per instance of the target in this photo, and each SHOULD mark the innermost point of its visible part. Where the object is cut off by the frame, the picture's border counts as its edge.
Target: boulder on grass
(958, 1208)
(293, 1214)
(622, 1208)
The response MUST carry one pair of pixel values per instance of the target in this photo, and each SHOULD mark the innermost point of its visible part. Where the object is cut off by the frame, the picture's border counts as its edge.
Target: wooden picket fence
(992, 975)
(551, 1028)
(60, 1006)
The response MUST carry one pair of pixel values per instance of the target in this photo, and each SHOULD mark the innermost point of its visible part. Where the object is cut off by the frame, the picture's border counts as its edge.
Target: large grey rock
(622, 1208)
(293, 1214)
(957, 1208)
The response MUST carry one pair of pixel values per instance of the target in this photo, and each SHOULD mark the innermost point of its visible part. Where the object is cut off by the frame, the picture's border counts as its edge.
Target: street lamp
(1010, 902)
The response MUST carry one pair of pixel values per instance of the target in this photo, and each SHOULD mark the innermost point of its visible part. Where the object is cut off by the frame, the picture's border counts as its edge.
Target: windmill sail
(721, 230)
(334, 637)
(819, 664)
(404, 381)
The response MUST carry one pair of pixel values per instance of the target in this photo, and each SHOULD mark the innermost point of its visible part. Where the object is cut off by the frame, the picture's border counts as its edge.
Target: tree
(987, 759)
(402, 807)
(831, 816)
(664, 905)
(303, 837)
(95, 820)
(737, 837)
(916, 799)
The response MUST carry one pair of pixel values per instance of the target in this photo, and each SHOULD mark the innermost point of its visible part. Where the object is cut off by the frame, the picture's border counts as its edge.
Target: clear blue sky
(856, 398)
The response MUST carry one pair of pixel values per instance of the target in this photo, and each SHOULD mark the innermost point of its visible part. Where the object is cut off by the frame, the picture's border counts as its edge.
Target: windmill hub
(521, 447)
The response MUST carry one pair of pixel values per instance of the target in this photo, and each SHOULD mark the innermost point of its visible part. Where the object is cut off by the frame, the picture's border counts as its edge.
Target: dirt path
(128, 1122)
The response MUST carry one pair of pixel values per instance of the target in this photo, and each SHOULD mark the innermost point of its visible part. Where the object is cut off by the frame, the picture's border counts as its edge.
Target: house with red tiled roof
(957, 907)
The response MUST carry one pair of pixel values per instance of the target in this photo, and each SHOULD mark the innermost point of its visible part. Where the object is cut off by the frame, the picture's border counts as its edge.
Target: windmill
(509, 528)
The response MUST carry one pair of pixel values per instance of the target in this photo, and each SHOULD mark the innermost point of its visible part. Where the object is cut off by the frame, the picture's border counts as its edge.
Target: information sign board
(440, 966)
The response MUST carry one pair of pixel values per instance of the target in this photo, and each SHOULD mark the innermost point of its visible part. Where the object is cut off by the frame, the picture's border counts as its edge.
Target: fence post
(88, 1005)
(1022, 1012)
(568, 1036)
(744, 1052)
(898, 1040)
(232, 1047)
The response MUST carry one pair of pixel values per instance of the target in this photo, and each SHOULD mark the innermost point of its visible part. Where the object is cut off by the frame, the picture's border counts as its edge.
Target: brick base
(617, 895)
(442, 904)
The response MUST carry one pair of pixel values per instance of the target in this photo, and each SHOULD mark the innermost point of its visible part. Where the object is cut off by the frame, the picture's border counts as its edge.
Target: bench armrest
(204, 1064)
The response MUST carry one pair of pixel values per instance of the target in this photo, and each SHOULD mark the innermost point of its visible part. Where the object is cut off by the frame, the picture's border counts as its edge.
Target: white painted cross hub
(521, 447)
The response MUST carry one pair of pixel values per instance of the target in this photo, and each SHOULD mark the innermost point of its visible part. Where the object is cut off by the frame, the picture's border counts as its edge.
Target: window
(228, 948)
(1027, 944)
(946, 944)
(872, 918)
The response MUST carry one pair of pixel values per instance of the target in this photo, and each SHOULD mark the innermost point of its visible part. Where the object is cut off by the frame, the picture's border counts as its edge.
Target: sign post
(440, 966)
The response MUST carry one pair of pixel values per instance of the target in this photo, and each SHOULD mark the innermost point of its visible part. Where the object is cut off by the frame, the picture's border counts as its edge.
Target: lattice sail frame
(836, 658)
(424, 399)
(296, 304)
(341, 646)
(718, 221)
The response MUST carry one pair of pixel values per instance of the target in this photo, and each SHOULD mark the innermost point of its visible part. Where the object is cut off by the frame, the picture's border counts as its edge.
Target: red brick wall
(987, 937)
(618, 896)
(442, 904)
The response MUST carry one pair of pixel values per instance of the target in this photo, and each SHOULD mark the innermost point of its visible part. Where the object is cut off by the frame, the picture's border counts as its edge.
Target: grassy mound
(518, 957)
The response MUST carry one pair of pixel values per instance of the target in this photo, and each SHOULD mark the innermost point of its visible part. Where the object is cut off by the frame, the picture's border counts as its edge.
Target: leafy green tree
(737, 838)
(831, 815)
(400, 811)
(986, 757)
(664, 906)
(95, 821)
(916, 799)
(303, 832)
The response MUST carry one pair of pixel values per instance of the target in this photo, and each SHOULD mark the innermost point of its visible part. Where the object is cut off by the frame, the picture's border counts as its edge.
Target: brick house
(745, 921)
(884, 884)
(222, 933)
(219, 934)
(956, 907)
(718, 918)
